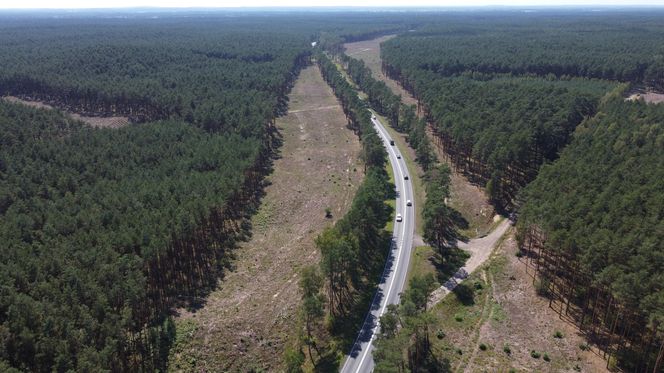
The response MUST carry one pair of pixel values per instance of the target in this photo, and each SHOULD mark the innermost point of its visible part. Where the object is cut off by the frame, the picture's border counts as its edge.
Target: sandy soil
(524, 321)
(649, 97)
(248, 319)
(106, 122)
(480, 250)
(505, 322)
(369, 52)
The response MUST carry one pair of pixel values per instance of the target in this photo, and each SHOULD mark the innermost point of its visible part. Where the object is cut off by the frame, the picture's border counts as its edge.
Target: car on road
(398, 156)
(373, 117)
(409, 203)
(399, 218)
(392, 142)
(405, 177)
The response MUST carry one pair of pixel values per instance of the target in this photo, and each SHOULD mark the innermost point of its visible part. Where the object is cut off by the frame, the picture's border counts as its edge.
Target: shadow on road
(365, 333)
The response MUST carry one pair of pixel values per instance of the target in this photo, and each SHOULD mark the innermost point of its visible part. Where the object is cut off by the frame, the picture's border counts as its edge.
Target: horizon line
(256, 7)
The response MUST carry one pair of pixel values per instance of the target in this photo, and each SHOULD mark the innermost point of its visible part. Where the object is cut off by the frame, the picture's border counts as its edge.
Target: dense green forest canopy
(506, 96)
(623, 46)
(104, 231)
(83, 210)
(219, 77)
(504, 92)
(603, 202)
(502, 120)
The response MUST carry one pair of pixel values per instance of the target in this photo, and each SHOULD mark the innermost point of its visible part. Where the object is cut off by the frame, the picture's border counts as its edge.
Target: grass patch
(498, 313)
(465, 294)
(542, 285)
(391, 202)
(179, 359)
(265, 216)
(459, 321)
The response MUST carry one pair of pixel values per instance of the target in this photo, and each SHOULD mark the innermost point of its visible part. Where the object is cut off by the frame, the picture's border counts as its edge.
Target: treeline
(106, 231)
(499, 131)
(622, 46)
(404, 341)
(354, 250)
(503, 94)
(591, 225)
(440, 225)
(218, 79)
(402, 118)
(403, 344)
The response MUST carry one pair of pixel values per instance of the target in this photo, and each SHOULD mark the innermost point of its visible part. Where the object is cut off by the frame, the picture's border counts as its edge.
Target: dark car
(405, 177)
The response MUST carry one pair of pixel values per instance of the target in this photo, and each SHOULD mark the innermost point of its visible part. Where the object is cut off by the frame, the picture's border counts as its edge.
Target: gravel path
(479, 249)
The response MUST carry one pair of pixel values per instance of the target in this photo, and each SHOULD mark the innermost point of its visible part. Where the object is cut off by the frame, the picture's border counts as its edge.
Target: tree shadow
(459, 223)
(448, 265)
(465, 294)
(433, 365)
(327, 363)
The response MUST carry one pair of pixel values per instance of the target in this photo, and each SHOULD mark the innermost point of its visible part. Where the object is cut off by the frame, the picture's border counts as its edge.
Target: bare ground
(467, 198)
(507, 312)
(369, 52)
(649, 97)
(480, 250)
(246, 322)
(101, 122)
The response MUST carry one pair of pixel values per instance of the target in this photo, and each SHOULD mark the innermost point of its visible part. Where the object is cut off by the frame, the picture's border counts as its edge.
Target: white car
(373, 117)
(409, 203)
(399, 218)
(398, 156)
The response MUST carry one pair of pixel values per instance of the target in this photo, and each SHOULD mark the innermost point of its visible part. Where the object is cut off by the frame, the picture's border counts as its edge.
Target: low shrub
(542, 286)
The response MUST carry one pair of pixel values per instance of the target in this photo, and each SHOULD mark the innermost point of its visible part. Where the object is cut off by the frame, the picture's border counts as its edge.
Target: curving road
(396, 267)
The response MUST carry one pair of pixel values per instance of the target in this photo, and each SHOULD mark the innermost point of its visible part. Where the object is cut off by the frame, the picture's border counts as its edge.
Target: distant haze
(53, 4)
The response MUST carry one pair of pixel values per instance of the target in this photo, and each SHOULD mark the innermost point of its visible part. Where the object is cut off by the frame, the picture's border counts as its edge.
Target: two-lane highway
(396, 268)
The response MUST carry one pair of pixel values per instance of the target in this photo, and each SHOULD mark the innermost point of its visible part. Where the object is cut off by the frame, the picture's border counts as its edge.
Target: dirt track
(480, 250)
(100, 122)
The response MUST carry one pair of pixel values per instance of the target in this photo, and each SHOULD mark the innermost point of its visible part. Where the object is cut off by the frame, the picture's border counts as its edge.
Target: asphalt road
(393, 280)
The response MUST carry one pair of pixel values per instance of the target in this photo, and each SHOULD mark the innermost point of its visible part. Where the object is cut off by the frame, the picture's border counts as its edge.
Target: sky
(18, 4)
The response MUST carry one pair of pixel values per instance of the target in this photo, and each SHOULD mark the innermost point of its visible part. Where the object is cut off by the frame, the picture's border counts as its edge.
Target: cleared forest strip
(369, 52)
(101, 122)
(467, 198)
(246, 322)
